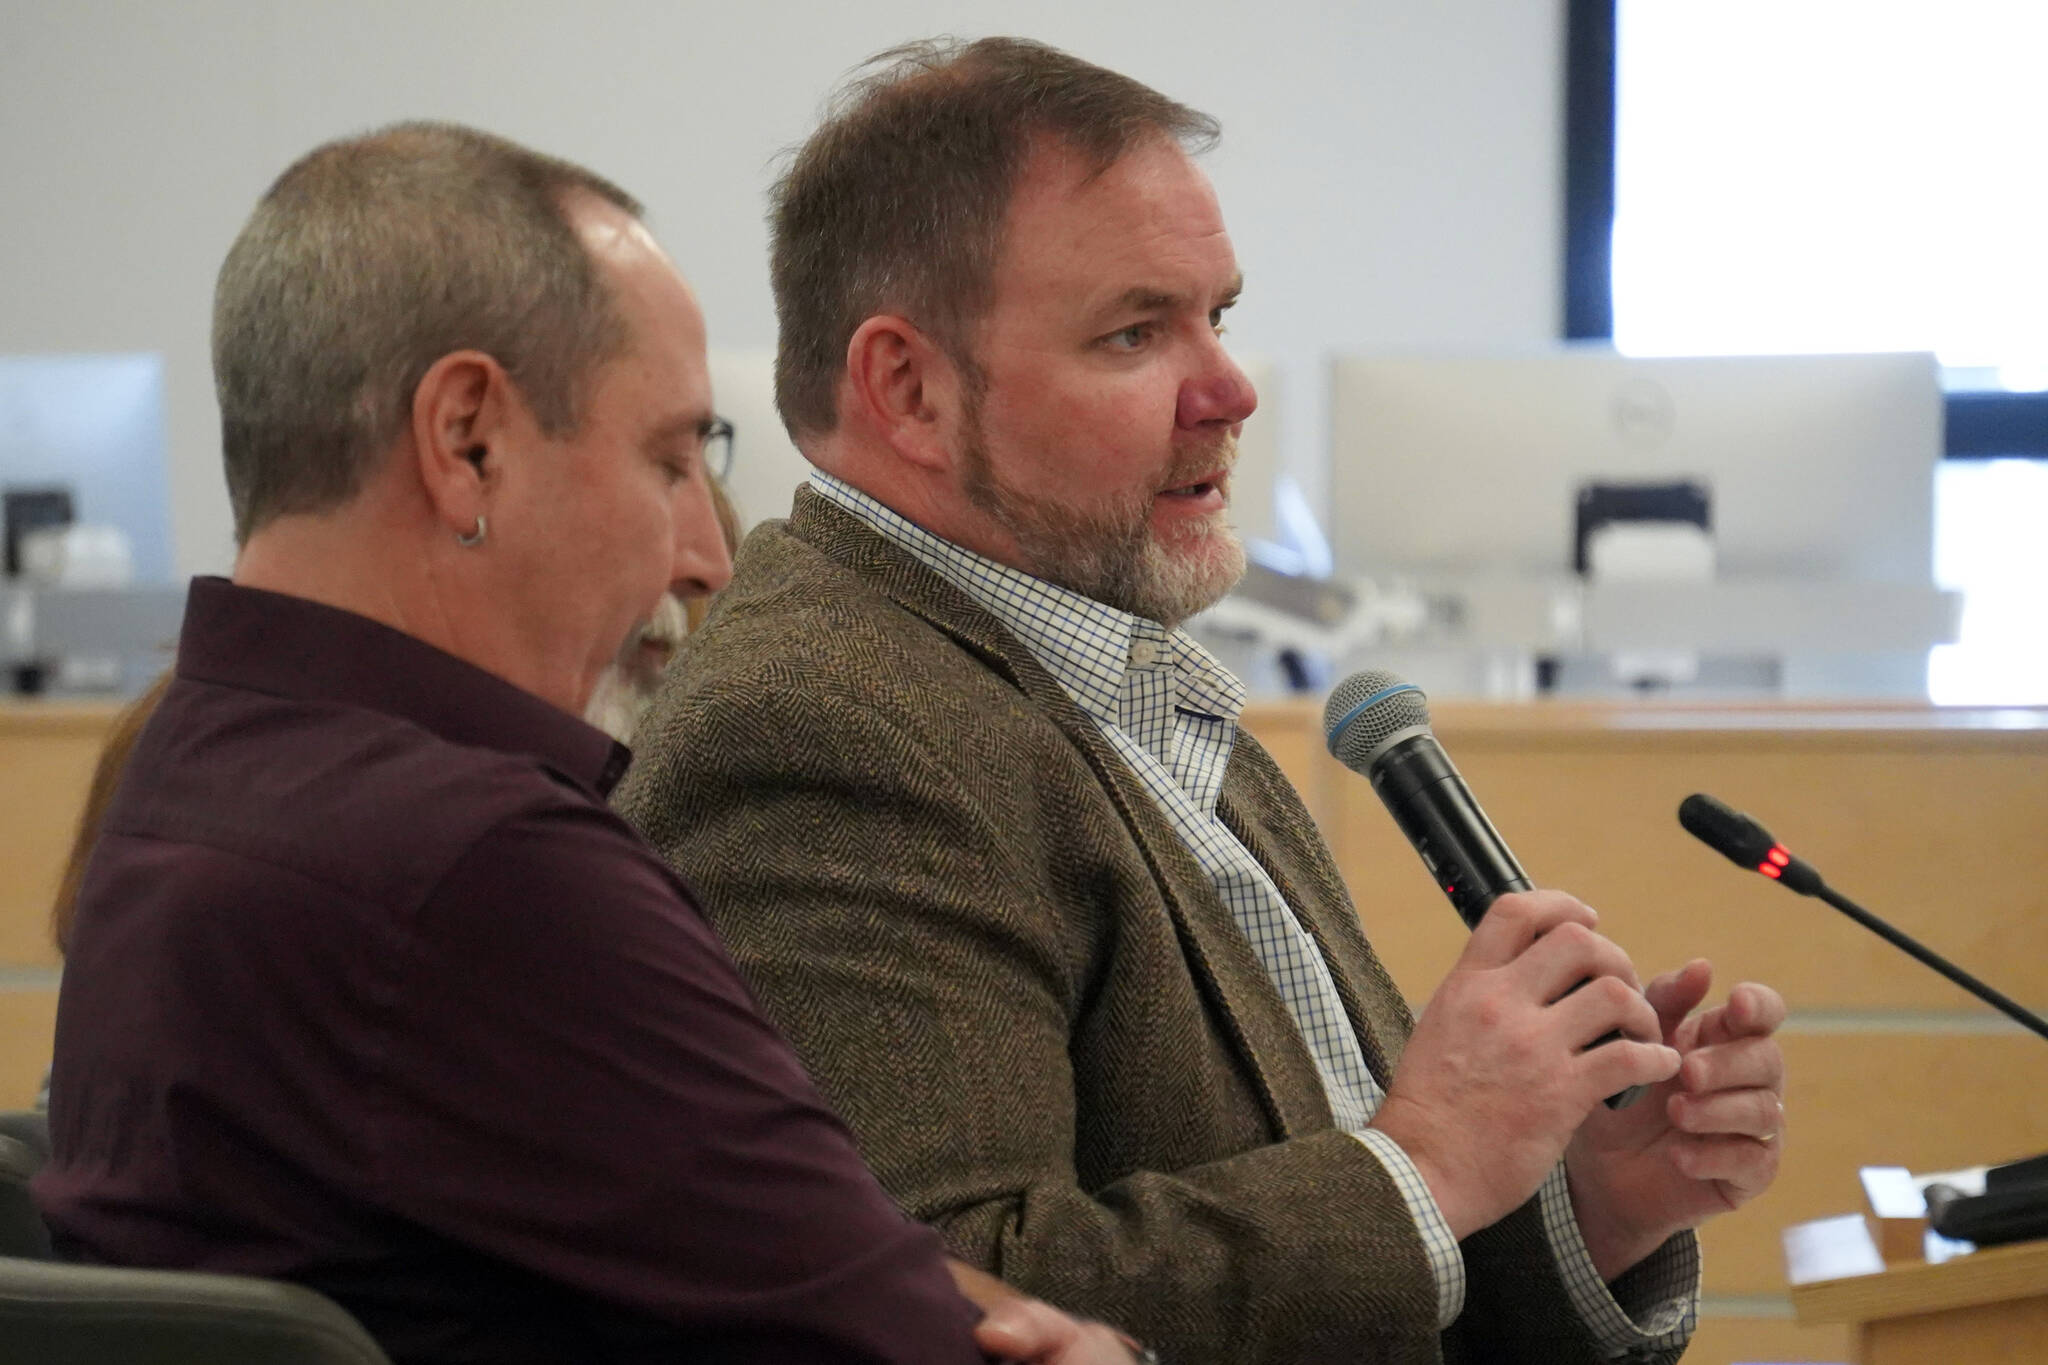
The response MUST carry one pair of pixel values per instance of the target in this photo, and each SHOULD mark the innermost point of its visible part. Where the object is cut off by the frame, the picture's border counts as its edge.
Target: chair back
(22, 1232)
(30, 1127)
(57, 1314)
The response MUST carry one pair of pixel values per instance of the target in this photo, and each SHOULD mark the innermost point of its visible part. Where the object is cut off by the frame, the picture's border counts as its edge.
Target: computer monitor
(1817, 467)
(93, 425)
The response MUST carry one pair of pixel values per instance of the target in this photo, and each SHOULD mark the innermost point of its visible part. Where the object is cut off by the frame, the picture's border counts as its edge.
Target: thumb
(1024, 1329)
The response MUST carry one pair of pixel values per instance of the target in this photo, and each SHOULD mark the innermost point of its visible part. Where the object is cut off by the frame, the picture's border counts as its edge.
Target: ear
(902, 385)
(464, 403)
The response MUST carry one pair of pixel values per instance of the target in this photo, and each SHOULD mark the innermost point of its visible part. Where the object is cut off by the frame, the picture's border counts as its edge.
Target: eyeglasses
(718, 448)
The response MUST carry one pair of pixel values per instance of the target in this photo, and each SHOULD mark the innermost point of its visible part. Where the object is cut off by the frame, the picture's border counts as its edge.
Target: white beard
(626, 689)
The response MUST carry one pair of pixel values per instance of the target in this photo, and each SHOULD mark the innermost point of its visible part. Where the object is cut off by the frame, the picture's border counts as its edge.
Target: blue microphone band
(1343, 723)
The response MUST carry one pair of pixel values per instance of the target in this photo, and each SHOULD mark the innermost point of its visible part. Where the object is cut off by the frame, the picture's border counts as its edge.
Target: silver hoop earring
(476, 537)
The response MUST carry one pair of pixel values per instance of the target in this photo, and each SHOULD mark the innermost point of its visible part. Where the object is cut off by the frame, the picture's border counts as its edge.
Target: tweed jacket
(1014, 981)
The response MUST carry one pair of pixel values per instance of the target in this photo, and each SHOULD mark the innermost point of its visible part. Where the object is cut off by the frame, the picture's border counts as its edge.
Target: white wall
(1389, 167)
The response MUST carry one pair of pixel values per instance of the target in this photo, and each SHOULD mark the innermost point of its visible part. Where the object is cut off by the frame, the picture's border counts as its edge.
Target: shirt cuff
(1446, 1259)
(1664, 1291)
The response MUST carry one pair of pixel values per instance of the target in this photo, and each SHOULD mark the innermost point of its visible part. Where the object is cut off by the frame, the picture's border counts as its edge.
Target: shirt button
(1144, 653)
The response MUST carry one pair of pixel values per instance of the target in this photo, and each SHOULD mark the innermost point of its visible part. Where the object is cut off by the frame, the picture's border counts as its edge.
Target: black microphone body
(1428, 799)
(1378, 725)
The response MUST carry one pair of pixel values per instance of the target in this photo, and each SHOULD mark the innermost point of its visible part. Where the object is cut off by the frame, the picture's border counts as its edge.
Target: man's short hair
(896, 204)
(367, 261)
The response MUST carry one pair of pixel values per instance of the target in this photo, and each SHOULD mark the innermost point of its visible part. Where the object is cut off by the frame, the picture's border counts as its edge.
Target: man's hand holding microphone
(1542, 1018)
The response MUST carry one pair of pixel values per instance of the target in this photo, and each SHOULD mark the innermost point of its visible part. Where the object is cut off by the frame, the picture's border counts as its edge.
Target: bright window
(1834, 175)
(1989, 517)
(1856, 175)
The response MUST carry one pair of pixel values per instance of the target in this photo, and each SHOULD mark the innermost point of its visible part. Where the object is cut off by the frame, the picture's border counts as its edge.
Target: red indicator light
(1769, 869)
(1779, 856)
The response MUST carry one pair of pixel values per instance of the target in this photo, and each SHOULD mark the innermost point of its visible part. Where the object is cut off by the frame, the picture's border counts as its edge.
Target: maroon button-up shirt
(370, 991)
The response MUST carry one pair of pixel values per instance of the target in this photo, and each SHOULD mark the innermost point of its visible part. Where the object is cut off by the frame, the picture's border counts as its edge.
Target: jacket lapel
(1317, 897)
(1241, 996)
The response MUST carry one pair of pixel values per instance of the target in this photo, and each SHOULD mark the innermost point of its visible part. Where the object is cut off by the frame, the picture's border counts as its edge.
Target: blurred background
(1430, 183)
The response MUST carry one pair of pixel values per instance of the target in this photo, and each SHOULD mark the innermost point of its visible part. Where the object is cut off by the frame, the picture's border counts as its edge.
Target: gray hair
(367, 261)
(896, 203)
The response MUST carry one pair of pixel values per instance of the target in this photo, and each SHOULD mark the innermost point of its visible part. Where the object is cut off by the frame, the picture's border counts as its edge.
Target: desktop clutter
(71, 614)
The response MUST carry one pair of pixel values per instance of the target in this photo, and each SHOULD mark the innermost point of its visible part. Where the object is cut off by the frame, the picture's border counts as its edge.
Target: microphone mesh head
(1366, 709)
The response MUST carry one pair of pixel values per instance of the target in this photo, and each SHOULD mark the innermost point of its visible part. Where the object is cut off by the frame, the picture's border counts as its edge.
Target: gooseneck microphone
(1377, 725)
(1748, 844)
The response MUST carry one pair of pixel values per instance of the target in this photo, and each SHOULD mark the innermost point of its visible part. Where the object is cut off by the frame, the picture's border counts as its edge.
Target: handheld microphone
(1377, 725)
(1748, 844)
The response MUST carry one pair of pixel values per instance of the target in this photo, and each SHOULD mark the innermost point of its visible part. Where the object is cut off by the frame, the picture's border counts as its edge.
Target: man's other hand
(1500, 1072)
(1032, 1332)
(1702, 1143)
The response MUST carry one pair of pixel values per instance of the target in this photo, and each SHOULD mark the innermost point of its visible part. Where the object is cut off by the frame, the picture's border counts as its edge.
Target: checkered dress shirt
(1170, 711)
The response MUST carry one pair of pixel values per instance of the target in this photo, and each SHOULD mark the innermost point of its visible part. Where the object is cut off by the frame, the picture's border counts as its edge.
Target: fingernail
(1008, 1316)
(1002, 1329)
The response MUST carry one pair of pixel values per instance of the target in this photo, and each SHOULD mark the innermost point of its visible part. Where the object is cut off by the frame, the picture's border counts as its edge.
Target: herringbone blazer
(1016, 984)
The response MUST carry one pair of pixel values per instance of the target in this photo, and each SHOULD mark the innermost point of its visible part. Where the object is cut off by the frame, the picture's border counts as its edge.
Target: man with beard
(975, 818)
(626, 689)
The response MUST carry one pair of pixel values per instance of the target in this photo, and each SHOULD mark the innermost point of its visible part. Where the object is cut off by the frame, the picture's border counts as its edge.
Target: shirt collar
(1089, 647)
(291, 647)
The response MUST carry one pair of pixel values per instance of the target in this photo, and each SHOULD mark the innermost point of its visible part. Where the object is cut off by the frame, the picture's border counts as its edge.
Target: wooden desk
(1986, 1308)
(47, 752)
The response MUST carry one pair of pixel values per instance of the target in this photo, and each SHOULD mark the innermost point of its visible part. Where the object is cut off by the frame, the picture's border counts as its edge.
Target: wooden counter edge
(20, 718)
(1992, 1275)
